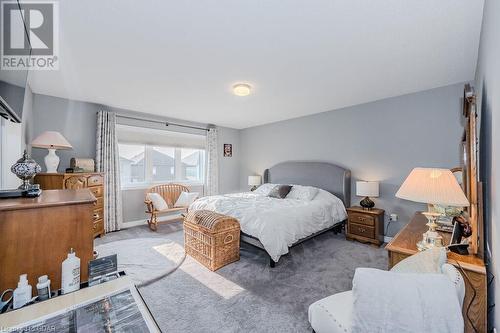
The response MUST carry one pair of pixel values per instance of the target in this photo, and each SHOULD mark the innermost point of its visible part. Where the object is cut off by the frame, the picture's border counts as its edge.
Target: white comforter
(277, 223)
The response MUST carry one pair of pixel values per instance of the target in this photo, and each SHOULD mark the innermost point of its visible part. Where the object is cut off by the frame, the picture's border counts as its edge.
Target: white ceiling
(180, 58)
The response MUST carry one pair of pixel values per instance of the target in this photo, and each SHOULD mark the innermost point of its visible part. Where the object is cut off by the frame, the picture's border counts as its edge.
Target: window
(162, 160)
(132, 167)
(163, 163)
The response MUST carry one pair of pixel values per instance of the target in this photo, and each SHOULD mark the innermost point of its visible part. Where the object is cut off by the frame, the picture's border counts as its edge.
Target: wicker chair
(170, 193)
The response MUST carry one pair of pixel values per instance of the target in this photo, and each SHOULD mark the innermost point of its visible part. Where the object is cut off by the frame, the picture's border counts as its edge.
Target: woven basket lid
(209, 219)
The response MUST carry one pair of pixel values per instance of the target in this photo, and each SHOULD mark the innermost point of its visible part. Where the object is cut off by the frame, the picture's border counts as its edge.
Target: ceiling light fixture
(242, 89)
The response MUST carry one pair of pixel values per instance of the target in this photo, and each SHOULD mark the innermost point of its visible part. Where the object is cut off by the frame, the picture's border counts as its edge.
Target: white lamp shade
(254, 180)
(433, 186)
(51, 140)
(367, 189)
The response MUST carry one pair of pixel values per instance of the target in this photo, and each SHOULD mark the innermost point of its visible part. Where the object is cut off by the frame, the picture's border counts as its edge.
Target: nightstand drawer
(362, 219)
(361, 230)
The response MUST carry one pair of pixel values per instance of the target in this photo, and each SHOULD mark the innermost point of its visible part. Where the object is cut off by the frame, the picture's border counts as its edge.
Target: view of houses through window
(141, 163)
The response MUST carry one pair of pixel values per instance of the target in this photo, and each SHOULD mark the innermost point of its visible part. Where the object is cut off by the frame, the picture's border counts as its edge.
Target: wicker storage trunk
(211, 238)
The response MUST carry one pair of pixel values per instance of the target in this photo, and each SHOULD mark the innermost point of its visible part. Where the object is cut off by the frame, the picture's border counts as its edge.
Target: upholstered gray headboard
(327, 176)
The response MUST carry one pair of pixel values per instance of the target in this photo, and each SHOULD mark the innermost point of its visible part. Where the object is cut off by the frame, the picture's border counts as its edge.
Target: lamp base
(367, 203)
(253, 188)
(51, 161)
(431, 237)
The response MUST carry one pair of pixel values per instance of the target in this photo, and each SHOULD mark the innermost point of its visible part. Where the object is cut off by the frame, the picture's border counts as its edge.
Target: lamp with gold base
(433, 187)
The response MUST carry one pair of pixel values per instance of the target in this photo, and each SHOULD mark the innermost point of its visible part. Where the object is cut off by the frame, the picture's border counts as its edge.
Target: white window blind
(149, 156)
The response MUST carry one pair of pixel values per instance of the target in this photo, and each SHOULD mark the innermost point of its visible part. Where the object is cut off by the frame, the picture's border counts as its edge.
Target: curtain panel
(212, 176)
(108, 161)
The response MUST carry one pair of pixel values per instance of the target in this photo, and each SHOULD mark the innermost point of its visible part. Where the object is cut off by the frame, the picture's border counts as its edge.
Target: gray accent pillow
(280, 191)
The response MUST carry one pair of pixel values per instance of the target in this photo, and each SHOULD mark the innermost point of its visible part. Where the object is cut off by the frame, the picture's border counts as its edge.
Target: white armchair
(333, 313)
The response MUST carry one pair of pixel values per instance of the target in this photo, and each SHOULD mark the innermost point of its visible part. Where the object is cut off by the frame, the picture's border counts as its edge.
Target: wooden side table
(364, 225)
(404, 245)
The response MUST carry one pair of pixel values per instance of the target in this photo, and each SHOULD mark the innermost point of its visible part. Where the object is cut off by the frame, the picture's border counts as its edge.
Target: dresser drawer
(99, 203)
(98, 214)
(98, 227)
(361, 230)
(95, 180)
(96, 191)
(362, 219)
(75, 182)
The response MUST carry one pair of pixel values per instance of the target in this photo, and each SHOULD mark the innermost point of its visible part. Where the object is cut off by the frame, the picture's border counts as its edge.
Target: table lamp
(367, 190)
(254, 181)
(433, 187)
(51, 140)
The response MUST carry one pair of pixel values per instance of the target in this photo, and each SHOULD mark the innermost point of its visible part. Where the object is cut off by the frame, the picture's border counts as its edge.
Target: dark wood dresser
(404, 245)
(364, 225)
(94, 181)
(37, 233)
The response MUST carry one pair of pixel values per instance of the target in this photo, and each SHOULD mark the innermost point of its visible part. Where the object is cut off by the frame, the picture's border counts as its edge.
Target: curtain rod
(162, 122)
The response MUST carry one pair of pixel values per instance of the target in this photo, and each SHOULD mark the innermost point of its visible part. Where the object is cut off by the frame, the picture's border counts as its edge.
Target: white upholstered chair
(333, 313)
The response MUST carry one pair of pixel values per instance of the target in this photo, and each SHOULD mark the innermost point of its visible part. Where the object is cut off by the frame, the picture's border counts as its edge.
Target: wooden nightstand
(366, 226)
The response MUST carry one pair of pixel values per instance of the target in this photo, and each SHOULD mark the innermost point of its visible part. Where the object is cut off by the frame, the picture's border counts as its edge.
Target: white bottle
(70, 277)
(43, 288)
(22, 294)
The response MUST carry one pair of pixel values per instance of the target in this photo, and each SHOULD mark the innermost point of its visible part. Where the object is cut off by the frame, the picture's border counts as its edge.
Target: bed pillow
(300, 192)
(280, 191)
(264, 189)
(158, 202)
(186, 199)
(428, 261)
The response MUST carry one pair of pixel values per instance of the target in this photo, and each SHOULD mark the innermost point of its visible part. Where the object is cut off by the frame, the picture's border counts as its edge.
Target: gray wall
(27, 126)
(229, 167)
(382, 140)
(77, 122)
(488, 90)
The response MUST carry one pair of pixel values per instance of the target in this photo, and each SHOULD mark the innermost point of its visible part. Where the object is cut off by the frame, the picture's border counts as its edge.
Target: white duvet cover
(277, 223)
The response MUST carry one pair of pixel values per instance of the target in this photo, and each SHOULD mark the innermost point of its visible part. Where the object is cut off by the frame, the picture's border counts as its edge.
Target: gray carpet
(144, 259)
(249, 296)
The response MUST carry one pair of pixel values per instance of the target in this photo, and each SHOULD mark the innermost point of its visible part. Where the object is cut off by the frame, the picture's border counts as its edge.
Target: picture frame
(228, 150)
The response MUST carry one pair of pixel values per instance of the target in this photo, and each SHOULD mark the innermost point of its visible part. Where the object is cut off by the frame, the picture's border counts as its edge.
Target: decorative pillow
(264, 189)
(186, 199)
(300, 192)
(280, 191)
(428, 261)
(158, 202)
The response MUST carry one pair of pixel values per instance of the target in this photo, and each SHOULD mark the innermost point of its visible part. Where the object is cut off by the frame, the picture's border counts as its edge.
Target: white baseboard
(135, 223)
(130, 224)
(387, 239)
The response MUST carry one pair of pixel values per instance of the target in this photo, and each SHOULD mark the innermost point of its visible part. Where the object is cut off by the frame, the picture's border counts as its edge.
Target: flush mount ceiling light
(242, 89)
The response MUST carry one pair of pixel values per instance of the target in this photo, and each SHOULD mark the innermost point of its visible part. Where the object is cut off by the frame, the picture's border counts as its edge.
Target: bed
(275, 225)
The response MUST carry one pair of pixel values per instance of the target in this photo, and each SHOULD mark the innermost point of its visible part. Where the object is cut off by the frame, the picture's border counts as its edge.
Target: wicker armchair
(170, 193)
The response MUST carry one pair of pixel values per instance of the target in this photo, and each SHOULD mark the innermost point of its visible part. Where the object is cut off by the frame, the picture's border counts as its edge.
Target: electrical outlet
(393, 217)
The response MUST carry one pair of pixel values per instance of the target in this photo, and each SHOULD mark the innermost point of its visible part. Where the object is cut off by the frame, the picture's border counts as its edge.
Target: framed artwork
(228, 150)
